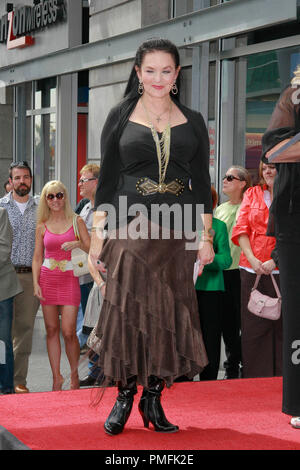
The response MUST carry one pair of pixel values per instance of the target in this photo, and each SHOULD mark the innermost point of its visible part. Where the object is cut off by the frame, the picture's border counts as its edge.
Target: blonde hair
(296, 79)
(43, 211)
(93, 168)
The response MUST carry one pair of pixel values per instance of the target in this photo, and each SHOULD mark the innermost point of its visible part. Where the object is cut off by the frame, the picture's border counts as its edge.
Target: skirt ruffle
(149, 322)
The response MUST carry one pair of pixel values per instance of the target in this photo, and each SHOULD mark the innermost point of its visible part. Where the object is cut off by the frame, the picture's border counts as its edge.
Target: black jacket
(284, 220)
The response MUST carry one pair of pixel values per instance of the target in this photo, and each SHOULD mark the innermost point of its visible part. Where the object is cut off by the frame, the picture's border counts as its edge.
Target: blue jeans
(85, 291)
(6, 347)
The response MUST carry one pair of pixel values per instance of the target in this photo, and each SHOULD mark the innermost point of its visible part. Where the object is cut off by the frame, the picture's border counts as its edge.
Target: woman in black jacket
(284, 223)
(153, 151)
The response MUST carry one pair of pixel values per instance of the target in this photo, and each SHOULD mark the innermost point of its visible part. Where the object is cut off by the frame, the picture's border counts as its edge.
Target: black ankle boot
(122, 408)
(150, 407)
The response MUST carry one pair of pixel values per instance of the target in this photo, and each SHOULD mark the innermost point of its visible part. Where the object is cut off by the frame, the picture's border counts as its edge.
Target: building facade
(57, 87)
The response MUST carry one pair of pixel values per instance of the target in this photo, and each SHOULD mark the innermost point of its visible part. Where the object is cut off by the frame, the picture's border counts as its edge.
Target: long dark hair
(151, 45)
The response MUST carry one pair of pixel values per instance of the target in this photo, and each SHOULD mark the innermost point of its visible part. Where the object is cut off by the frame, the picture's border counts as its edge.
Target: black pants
(289, 265)
(210, 321)
(231, 321)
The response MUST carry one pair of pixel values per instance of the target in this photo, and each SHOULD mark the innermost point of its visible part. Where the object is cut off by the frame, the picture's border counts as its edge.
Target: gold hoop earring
(174, 89)
(141, 88)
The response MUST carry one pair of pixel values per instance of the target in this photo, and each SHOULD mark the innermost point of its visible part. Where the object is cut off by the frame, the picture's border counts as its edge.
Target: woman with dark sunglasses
(261, 338)
(54, 282)
(235, 182)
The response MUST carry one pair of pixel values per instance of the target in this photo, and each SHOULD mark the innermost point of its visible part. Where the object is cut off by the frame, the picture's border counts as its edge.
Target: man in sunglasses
(21, 209)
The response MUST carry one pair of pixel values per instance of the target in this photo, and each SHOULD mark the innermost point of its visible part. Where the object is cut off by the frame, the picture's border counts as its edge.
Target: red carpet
(222, 415)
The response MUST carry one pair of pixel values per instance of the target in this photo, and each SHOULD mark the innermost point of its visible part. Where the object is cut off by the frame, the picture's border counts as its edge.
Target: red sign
(12, 41)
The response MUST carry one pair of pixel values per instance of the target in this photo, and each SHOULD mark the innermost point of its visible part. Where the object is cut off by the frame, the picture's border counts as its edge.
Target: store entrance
(250, 88)
(267, 75)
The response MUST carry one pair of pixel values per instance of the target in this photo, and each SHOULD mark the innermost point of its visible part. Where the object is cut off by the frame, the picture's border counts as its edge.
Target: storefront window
(45, 93)
(44, 132)
(44, 149)
(182, 7)
(267, 75)
(35, 128)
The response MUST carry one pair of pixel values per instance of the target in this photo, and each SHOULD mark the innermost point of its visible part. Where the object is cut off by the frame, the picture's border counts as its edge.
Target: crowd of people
(153, 326)
(37, 238)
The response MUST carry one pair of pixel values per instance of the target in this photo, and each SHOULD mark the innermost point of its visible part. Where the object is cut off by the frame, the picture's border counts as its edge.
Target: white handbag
(79, 257)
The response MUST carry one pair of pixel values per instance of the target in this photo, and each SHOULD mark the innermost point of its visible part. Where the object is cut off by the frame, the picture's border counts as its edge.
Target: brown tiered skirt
(149, 322)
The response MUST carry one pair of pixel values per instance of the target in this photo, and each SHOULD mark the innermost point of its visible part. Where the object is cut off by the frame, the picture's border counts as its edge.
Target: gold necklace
(158, 116)
(162, 144)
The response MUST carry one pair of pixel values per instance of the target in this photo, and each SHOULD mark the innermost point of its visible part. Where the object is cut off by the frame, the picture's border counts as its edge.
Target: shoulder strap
(75, 227)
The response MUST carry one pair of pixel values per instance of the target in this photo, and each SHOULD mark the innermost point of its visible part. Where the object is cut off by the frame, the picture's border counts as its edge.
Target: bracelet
(102, 284)
(94, 229)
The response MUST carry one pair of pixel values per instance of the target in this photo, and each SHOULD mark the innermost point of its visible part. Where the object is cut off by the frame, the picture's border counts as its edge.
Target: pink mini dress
(58, 287)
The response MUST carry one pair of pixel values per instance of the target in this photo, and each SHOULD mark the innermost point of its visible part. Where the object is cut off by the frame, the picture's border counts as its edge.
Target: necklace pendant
(158, 119)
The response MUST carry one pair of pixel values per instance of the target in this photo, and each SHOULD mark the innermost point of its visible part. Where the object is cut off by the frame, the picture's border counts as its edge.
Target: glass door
(250, 88)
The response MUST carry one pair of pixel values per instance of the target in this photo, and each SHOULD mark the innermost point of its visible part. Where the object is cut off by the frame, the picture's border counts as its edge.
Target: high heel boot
(150, 407)
(122, 408)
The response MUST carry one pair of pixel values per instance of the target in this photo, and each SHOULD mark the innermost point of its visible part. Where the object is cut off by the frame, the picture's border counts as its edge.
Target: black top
(128, 151)
(138, 153)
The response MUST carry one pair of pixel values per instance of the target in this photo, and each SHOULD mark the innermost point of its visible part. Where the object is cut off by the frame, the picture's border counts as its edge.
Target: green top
(227, 212)
(212, 278)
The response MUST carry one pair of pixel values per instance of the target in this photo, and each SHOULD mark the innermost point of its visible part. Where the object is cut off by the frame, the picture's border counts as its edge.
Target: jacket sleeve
(200, 177)
(222, 259)
(282, 124)
(110, 161)
(242, 225)
(5, 237)
(274, 256)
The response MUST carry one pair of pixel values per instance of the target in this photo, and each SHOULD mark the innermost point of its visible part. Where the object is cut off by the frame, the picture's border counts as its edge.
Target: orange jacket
(253, 220)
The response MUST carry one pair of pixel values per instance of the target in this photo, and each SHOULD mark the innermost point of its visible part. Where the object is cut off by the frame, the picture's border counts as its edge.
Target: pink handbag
(262, 305)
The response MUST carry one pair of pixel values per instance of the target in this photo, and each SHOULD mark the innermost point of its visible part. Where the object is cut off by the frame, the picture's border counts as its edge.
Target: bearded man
(21, 209)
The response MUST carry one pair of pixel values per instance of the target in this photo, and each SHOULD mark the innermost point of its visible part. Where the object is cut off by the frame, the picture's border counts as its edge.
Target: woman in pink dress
(54, 282)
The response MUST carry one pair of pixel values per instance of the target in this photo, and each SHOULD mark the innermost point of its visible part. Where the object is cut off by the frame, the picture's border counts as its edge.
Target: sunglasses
(230, 178)
(84, 180)
(51, 196)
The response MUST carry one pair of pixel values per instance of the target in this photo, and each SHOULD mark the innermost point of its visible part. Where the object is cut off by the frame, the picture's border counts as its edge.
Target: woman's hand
(97, 239)
(101, 266)
(67, 246)
(37, 292)
(206, 253)
(268, 266)
(256, 265)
